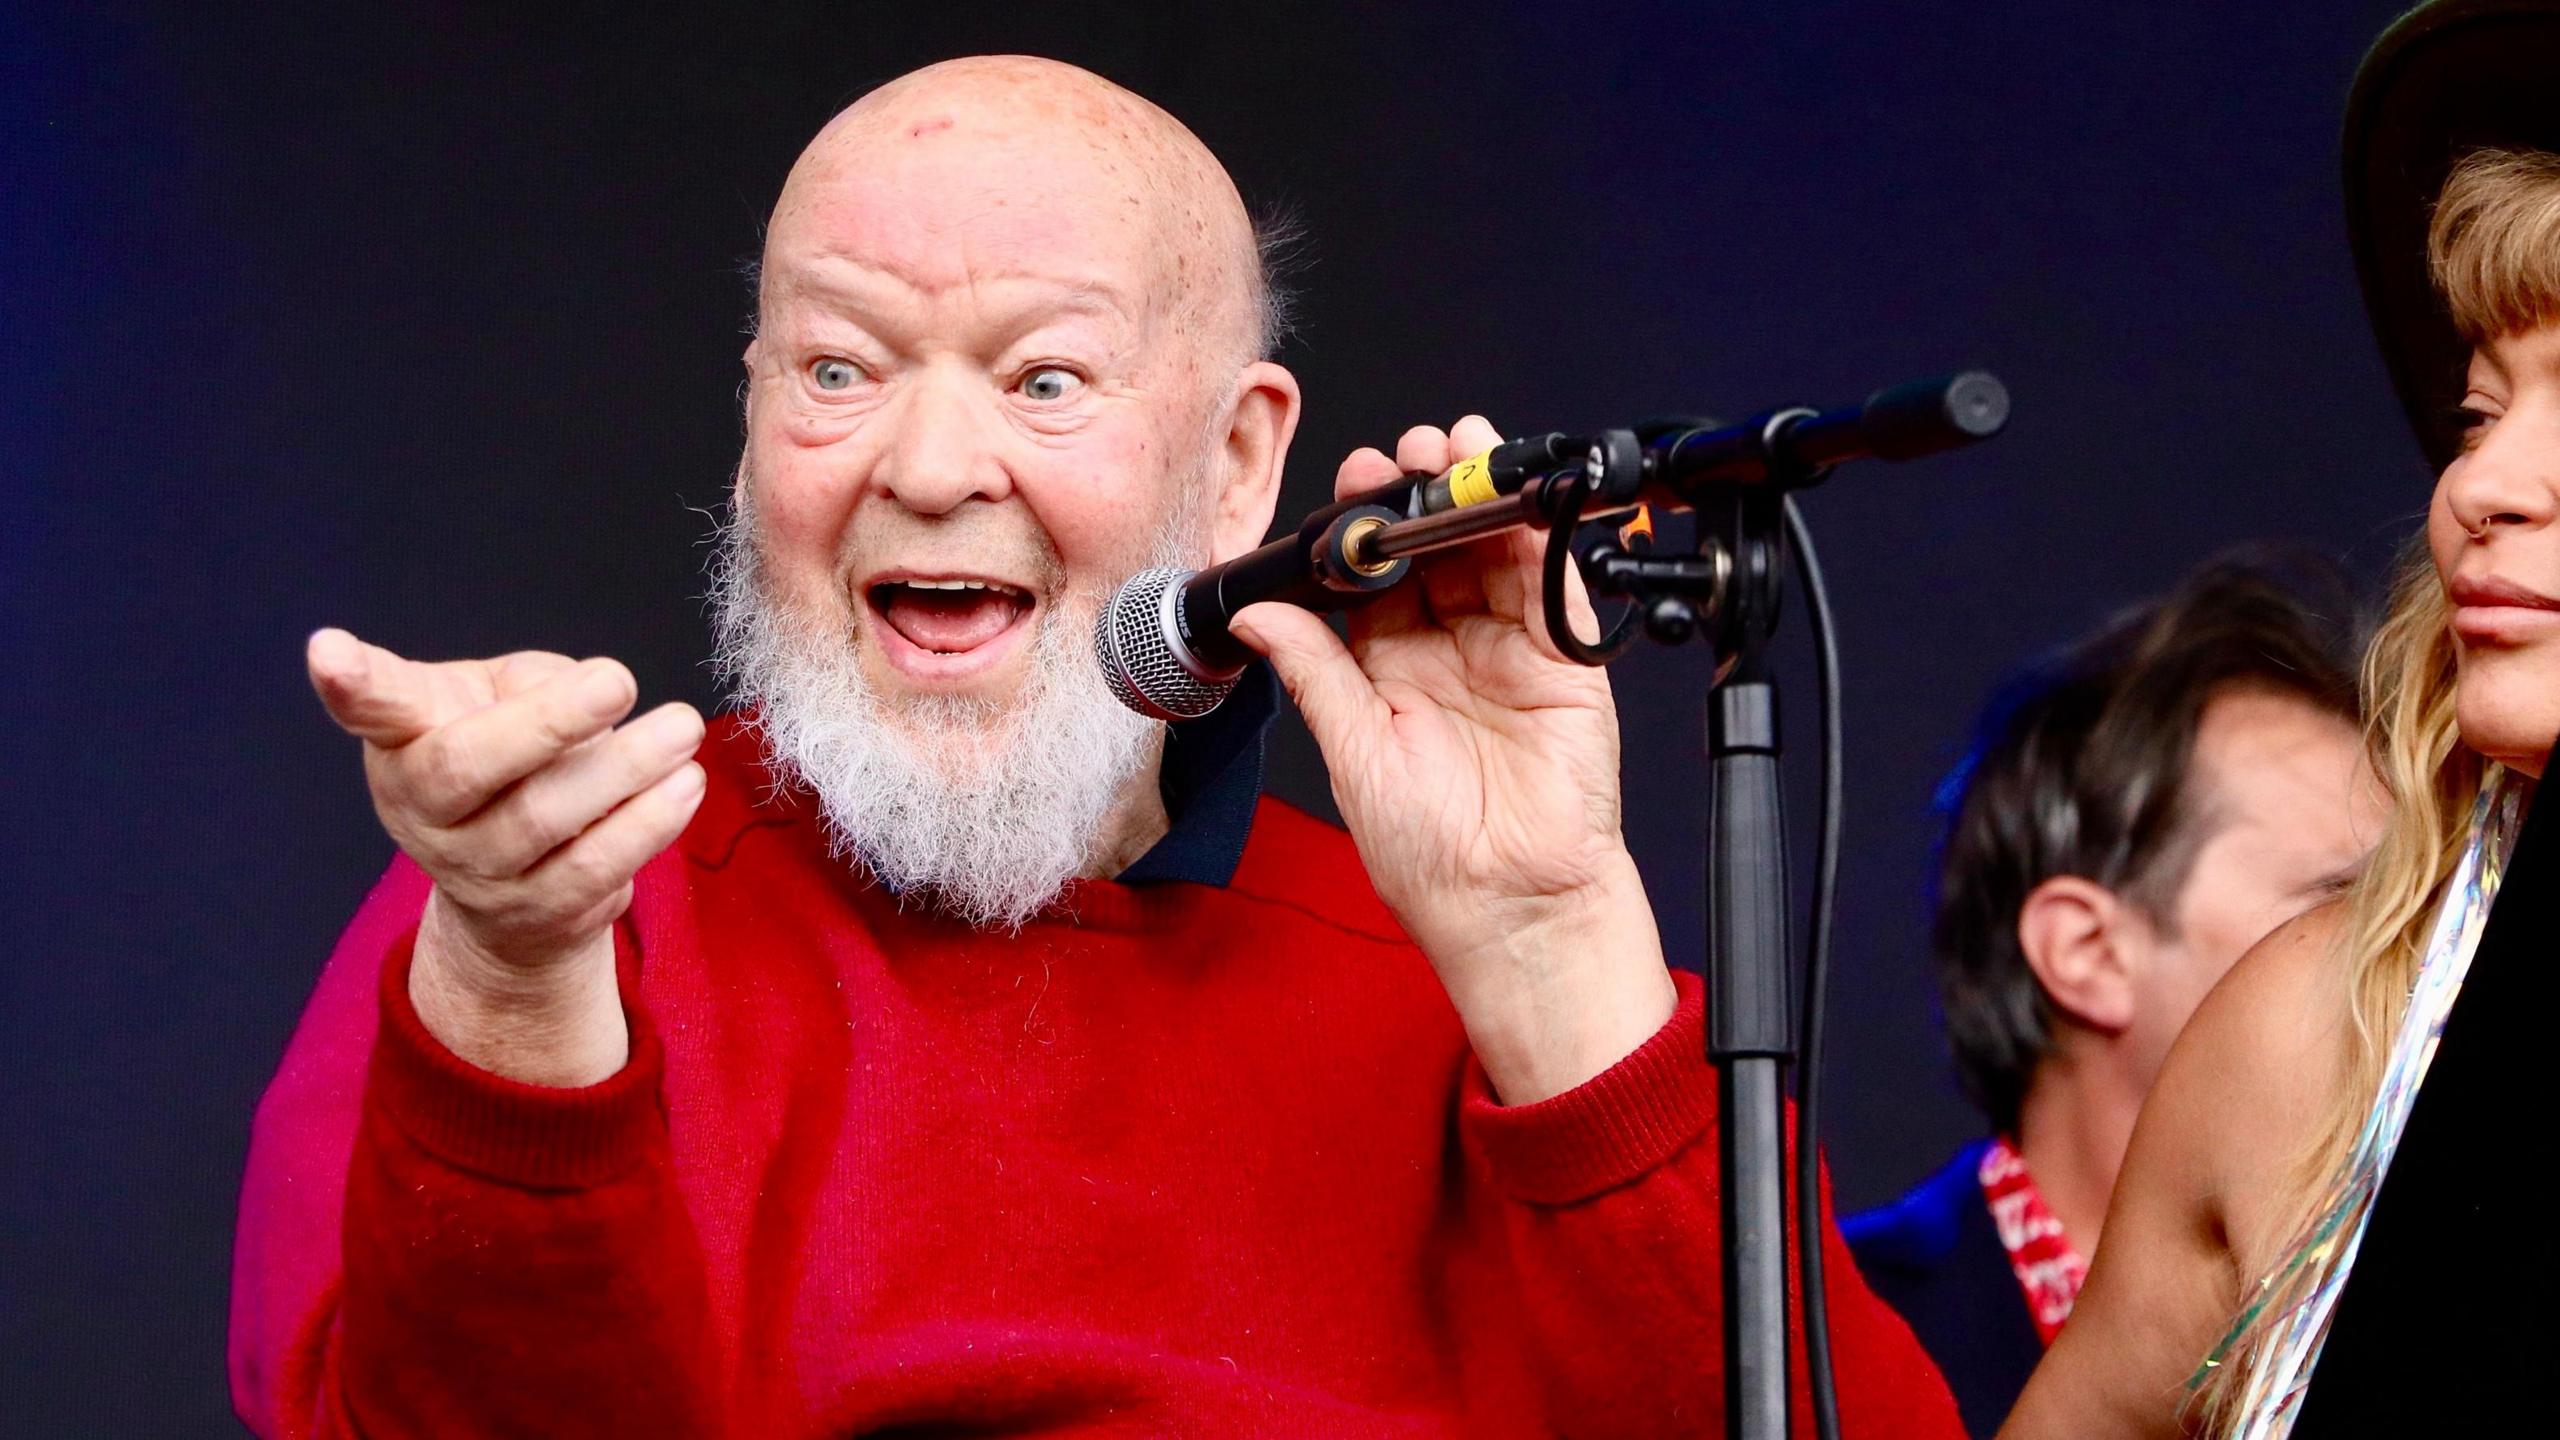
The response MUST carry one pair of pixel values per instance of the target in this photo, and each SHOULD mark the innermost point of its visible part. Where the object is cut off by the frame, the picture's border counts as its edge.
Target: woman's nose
(2512, 475)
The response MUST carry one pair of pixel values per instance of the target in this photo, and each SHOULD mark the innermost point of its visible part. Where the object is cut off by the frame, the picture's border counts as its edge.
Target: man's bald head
(1140, 177)
(1008, 353)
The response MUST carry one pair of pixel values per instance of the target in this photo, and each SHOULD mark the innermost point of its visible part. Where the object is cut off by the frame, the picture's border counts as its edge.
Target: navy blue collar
(1212, 780)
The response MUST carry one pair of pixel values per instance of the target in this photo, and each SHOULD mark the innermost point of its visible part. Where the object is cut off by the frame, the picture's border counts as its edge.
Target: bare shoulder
(2291, 977)
(2258, 1062)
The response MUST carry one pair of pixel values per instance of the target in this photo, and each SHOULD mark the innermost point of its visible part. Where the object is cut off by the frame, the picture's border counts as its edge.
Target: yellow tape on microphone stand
(1471, 481)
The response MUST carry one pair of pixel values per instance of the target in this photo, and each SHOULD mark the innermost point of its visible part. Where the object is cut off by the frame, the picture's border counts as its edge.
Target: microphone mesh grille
(1133, 638)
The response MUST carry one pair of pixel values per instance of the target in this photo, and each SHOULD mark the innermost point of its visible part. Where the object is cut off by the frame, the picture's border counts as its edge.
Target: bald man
(931, 1045)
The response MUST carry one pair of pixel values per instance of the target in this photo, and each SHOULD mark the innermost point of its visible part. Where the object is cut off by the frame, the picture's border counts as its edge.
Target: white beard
(983, 809)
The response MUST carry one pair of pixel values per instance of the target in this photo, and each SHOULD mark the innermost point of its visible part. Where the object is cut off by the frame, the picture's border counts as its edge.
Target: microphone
(1162, 638)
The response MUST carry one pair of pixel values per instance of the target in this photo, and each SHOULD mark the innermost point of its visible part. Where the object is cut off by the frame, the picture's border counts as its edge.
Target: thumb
(373, 694)
(1329, 687)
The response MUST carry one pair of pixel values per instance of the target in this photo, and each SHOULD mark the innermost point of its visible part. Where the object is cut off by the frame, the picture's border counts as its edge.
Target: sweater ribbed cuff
(518, 1134)
(1612, 1129)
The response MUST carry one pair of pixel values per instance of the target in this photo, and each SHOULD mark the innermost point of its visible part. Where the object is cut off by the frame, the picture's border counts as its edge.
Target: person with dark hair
(2135, 813)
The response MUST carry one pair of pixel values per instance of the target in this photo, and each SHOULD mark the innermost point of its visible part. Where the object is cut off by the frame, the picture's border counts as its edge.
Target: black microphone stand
(1750, 1025)
(1732, 586)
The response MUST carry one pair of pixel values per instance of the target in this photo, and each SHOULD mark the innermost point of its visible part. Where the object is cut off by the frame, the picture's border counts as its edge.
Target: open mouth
(949, 615)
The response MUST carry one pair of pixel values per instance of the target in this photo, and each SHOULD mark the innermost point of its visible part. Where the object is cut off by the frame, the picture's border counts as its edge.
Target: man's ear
(1251, 456)
(2086, 946)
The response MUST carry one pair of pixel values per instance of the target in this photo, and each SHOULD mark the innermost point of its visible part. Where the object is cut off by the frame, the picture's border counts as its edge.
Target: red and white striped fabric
(2049, 1270)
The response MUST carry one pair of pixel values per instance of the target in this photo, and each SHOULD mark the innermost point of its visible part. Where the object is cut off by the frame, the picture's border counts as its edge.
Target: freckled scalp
(1112, 150)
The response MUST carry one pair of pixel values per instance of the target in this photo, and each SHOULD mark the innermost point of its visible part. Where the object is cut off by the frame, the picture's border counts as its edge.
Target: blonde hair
(2494, 245)
(2494, 251)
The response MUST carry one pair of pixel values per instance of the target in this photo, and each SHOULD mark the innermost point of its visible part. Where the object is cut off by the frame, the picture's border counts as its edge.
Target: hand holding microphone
(1474, 762)
(1478, 772)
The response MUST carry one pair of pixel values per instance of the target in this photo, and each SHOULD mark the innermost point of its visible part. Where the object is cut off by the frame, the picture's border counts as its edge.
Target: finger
(557, 803)
(1366, 468)
(372, 693)
(1504, 576)
(1480, 577)
(595, 867)
(1454, 584)
(512, 675)
(1341, 707)
(463, 764)
(1500, 575)
(1458, 582)
(1518, 591)
(1472, 435)
(1424, 448)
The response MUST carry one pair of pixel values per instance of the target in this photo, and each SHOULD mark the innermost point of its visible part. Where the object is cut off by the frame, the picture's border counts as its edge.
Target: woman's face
(2494, 528)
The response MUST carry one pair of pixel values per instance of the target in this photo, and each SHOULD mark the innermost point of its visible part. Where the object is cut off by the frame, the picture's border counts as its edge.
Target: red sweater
(1197, 1161)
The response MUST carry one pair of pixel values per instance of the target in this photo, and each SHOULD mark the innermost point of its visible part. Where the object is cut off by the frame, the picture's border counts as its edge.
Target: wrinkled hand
(508, 783)
(1477, 770)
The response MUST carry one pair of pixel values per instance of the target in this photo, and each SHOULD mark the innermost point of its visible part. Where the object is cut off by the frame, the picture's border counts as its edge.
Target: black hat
(2448, 78)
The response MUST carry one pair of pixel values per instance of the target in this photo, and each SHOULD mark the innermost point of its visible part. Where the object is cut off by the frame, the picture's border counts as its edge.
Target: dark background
(424, 320)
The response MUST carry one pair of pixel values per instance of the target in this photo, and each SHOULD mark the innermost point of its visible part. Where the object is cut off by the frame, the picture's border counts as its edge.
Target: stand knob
(1671, 620)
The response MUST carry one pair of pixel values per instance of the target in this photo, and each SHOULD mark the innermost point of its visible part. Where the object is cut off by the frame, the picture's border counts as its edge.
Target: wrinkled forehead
(953, 210)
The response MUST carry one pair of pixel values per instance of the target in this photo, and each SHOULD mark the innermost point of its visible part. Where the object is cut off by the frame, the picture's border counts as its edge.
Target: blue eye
(1050, 382)
(832, 374)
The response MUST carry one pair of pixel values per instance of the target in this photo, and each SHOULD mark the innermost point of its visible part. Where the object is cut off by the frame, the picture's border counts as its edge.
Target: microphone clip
(1675, 594)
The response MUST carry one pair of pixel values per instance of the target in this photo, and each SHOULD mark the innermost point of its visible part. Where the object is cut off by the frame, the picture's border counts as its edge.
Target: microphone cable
(1817, 974)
